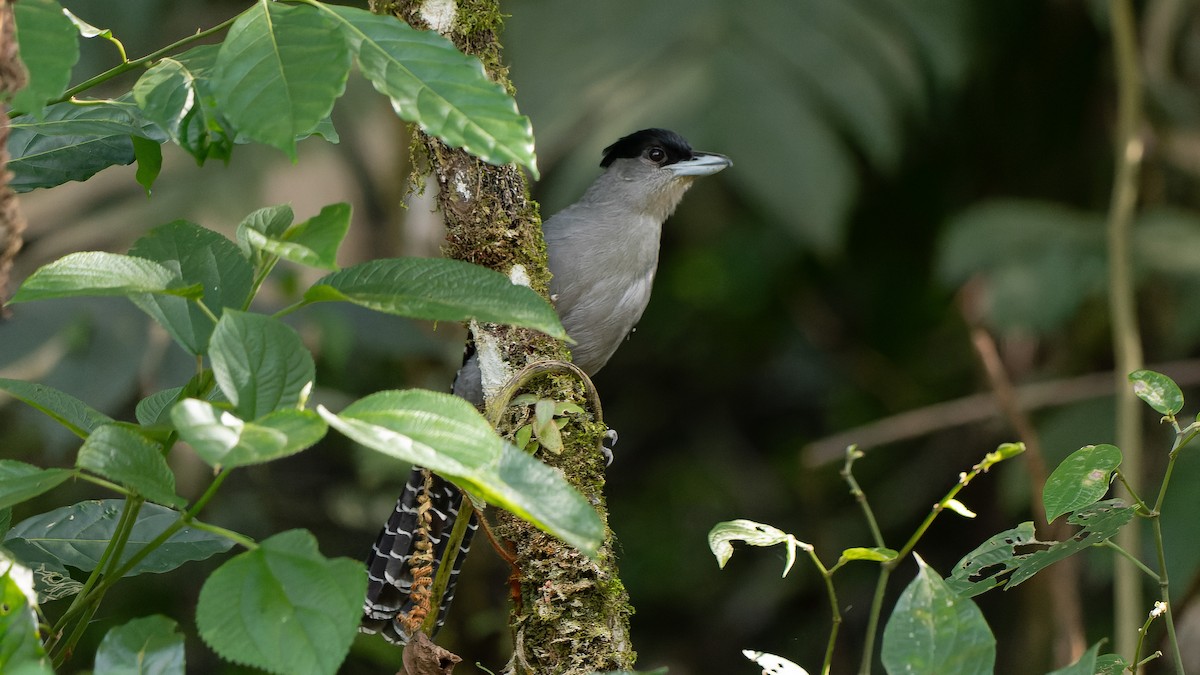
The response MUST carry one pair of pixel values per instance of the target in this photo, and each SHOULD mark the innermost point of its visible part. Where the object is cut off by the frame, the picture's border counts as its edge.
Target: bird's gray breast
(603, 274)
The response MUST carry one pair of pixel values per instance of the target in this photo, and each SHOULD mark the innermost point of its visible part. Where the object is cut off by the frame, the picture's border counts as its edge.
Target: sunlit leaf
(260, 364)
(98, 273)
(447, 435)
(224, 441)
(1158, 391)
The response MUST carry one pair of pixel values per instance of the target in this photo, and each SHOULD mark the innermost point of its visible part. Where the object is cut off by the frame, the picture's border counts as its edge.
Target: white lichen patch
(439, 14)
(519, 275)
(493, 371)
(460, 186)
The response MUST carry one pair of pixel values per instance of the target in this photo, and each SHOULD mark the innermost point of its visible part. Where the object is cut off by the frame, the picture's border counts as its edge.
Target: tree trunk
(572, 613)
(12, 78)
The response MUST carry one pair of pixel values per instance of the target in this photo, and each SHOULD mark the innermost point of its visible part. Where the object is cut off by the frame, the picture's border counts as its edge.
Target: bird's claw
(607, 444)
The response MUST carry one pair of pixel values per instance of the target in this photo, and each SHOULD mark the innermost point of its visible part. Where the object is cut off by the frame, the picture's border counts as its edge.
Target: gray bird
(603, 253)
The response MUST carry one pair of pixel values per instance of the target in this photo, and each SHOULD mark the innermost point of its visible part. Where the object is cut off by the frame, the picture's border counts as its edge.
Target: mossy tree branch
(572, 615)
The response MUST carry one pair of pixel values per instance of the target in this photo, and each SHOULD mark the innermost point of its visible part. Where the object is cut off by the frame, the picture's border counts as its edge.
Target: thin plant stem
(1127, 345)
(442, 580)
(835, 613)
(1109, 543)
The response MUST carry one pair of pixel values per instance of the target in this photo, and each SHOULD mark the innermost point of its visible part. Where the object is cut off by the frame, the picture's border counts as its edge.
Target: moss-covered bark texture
(12, 78)
(572, 615)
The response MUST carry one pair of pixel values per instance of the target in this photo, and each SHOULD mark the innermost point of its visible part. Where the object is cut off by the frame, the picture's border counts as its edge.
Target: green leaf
(260, 364)
(442, 90)
(283, 607)
(1085, 665)
(49, 49)
(933, 630)
(77, 535)
(146, 646)
(155, 408)
(197, 255)
(722, 536)
(20, 644)
(125, 456)
(166, 93)
(1158, 391)
(438, 290)
(279, 71)
(75, 415)
(148, 154)
(1080, 480)
(314, 242)
(270, 222)
(20, 482)
(447, 435)
(97, 273)
(984, 568)
(224, 441)
(873, 554)
(1111, 664)
(73, 142)
(1018, 551)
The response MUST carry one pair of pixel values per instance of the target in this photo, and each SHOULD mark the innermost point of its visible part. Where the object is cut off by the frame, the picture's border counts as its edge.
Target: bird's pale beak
(701, 164)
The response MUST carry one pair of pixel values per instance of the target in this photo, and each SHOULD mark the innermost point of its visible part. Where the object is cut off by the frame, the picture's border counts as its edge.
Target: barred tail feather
(390, 598)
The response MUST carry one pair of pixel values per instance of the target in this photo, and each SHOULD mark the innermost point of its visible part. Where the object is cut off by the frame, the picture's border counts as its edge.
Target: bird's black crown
(633, 145)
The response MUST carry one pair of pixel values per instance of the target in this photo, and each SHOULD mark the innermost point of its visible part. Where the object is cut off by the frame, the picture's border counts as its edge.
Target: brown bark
(12, 78)
(572, 614)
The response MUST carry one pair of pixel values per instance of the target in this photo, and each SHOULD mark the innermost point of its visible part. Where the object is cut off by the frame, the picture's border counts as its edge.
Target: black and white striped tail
(389, 565)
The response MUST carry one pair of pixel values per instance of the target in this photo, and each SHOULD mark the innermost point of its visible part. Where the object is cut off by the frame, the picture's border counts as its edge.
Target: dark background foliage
(888, 153)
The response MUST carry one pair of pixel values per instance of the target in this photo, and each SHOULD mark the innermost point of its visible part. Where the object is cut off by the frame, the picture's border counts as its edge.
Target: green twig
(836, 614)
(1132, 559)
(442, 580)
(852, 454)
(1127, 344)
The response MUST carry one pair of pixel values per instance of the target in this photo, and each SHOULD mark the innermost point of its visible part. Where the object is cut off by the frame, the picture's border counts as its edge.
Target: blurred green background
(888, 154)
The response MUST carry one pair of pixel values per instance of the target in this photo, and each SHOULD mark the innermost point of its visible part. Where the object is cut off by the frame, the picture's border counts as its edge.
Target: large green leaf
(150, 645)
(98, 273)
(129, 458)
(260, 364)
(279, 71)
(73, 142)
(444, 91)
(283, 607)
(76, 535)
(934, 630)
(197, 255)
(1080, 480)
(223, 440)
(313, 242)
(49, 47)
(65, 409)
(20, 645)
(447, 435)
(20, 481)
(439, 290)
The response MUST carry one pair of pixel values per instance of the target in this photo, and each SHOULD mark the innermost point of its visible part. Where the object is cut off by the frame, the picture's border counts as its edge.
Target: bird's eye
(656, 154)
